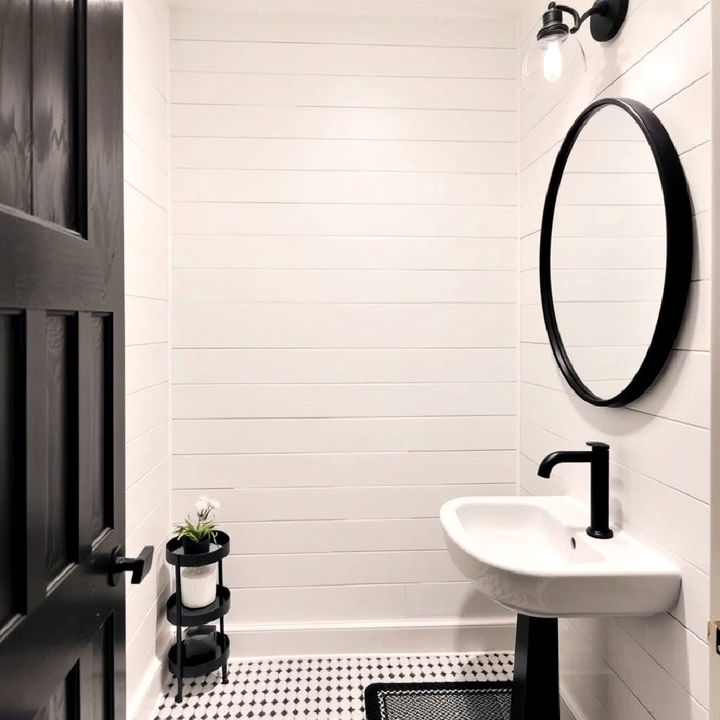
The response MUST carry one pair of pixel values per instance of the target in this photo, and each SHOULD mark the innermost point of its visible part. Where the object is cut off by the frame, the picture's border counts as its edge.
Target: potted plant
(196, 535)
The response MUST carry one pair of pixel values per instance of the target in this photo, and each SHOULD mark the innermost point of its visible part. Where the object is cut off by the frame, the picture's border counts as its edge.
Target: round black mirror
(615, 252)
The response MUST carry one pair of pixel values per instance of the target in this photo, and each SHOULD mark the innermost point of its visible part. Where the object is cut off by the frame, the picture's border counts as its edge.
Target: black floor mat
(438, 701)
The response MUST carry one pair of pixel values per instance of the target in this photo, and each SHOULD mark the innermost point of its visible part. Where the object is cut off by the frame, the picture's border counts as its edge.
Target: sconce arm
(599, 8)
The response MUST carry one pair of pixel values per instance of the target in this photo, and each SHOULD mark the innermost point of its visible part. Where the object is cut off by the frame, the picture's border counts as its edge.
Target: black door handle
(139, 566)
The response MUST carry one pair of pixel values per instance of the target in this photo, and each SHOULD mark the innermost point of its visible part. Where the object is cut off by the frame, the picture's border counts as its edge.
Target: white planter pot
(198, 585)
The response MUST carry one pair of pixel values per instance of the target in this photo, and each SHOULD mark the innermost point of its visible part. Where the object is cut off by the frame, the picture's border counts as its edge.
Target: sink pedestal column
(536, 691)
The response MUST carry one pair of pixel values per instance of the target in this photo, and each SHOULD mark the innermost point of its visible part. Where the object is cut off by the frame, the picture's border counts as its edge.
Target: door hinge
(714, 634)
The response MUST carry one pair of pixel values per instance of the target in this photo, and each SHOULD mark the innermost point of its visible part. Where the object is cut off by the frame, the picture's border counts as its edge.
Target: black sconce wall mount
(606, 19)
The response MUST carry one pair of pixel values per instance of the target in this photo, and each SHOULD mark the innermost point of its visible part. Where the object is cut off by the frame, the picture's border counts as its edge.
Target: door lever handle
(139, 566)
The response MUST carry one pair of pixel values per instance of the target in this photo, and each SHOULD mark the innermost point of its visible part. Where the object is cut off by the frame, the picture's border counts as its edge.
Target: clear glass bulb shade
(553, 64)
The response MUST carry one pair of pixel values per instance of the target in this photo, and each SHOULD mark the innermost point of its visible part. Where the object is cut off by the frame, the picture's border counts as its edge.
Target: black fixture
(679, 253)
(606, 19)
(536, 680)
(203, 649)
(599, 458)
(556, 60)
(139, 566)
(536, 691)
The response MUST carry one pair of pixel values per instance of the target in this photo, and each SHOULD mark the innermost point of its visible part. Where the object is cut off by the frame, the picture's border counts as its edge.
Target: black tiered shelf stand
(183, 617)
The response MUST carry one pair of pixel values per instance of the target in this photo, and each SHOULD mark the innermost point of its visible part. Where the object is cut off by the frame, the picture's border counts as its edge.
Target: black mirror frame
(679, 253)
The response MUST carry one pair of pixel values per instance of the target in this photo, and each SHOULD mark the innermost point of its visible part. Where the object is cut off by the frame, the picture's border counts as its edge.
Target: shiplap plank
(317, 604)
(332, 28)
(328, 569)
(145, 366)
(319, 536)
(343, 435)
(332, 503)
(311, 91)
(340, 187)
(145, 409)
(145, 452)
(328, 252)
(303, 401)
(356, 155)
(221, 218)
(222, 325)
(357, 123)
(345, 286)
(306, 58)
(343, 366)
(208, 472)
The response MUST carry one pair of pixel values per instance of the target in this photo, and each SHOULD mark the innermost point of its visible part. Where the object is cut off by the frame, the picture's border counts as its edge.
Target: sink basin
(532, 555)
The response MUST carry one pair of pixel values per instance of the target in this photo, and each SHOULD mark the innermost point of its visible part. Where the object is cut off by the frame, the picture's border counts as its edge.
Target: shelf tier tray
(192, 617)
(190, 670)
(175, 554)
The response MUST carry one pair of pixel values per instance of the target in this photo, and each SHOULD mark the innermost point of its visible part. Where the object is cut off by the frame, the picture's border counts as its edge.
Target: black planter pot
(192, 547)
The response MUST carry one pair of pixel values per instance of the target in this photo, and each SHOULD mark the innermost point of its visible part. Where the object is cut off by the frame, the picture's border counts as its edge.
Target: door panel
(97, 667)
(55, 111)
(15, 118)
(62, 623)
(97, 394)
(63, 703)
(10, 508)
(61, 490)
(40, 83)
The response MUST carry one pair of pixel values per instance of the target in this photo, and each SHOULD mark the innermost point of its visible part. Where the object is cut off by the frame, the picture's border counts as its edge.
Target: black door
(61, 360)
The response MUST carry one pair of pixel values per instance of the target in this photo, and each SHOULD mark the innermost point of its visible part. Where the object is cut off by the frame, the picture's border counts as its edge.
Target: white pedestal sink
(532, 555)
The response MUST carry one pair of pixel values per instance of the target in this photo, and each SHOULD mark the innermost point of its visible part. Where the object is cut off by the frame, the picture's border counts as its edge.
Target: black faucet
(599, 458)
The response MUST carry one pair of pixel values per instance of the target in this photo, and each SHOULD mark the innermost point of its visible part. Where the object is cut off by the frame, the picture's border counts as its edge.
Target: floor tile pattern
(318, 688)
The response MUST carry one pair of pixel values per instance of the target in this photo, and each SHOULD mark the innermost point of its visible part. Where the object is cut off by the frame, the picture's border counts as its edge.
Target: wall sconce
(557, 59)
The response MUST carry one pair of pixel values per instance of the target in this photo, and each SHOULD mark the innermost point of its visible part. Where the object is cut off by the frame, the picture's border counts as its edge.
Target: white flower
(205, 505)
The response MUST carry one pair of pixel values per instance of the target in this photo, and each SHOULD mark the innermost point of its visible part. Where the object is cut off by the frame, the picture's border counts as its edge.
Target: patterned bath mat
(438, 701)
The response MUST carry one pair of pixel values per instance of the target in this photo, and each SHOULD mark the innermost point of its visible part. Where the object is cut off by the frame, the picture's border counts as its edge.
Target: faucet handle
(598, 445)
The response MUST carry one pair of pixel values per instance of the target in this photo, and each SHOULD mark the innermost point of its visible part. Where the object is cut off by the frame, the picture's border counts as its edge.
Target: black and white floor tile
(318, 688)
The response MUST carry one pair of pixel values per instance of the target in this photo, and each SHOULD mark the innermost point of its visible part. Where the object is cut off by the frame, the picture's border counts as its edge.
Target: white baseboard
(363, 638)
(143, 704)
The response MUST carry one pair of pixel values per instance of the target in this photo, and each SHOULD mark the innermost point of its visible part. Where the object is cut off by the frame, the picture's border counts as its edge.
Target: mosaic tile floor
(318, 688)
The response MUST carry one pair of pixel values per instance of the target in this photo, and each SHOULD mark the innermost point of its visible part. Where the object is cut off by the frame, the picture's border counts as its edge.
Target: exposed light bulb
(552, 62)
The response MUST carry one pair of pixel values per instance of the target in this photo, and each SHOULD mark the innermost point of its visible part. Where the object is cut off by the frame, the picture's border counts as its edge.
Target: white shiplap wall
(344, 308)
(147, 350)
(634, 669)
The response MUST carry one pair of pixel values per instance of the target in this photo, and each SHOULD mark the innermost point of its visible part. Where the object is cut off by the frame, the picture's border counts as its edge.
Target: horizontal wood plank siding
(147, 296)
(344, 326)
